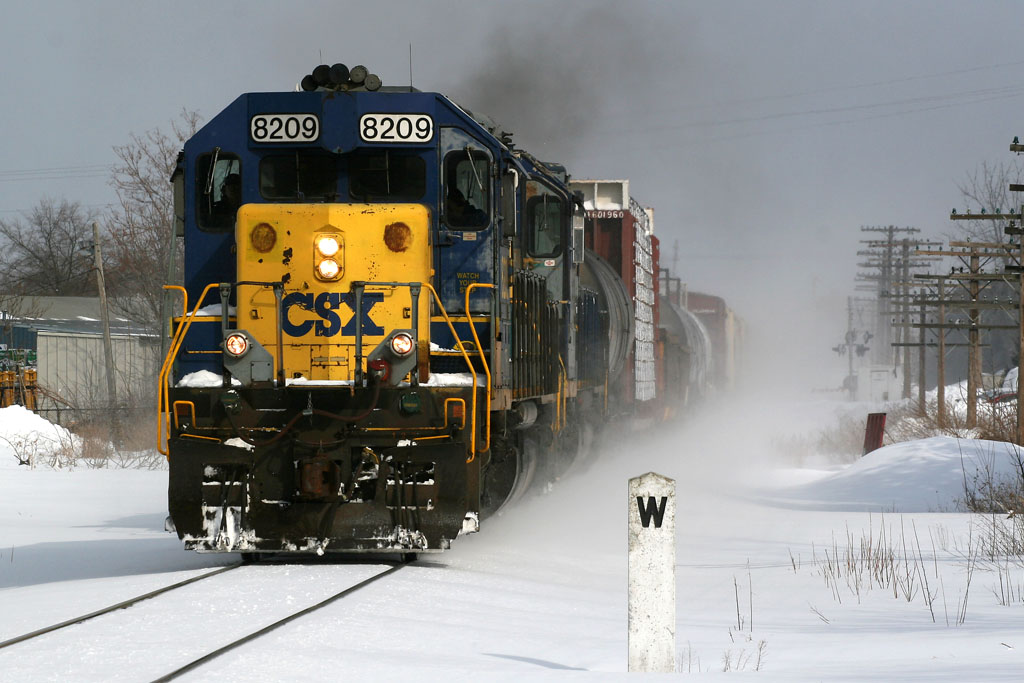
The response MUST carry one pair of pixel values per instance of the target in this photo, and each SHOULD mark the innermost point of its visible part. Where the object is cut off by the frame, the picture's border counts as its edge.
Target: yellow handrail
(469, 364)
(179, 337)
(563, 397)
(455, 400)
(163, 390)
(483, 359)
(184, 297)
(200, 437)
(192, 409)
(445, 427)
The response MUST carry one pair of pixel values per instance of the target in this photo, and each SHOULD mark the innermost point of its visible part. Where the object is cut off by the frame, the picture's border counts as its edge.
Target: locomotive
(394, 321)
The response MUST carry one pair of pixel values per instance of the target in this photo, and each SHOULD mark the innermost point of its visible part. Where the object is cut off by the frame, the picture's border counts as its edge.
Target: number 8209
(396, 127)
(284, 128)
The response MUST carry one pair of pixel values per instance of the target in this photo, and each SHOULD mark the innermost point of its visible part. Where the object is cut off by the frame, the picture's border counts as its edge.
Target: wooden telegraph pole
(883, 259)
(108, 351)
(894, 262)
(1011, 252)
(973, 282)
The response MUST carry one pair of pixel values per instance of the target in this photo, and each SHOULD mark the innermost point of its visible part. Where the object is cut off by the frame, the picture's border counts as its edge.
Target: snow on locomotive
(392, 323)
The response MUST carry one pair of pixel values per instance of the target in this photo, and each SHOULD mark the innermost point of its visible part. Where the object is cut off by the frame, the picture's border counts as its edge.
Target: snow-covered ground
(774, 567)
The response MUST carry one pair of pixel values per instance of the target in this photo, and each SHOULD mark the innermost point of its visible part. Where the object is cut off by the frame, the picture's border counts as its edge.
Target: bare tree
(987, 189)
(143, 223)
(46, 251)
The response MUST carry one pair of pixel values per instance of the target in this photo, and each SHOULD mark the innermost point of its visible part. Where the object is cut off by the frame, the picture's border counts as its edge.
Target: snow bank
(927, 475)
(27, 437)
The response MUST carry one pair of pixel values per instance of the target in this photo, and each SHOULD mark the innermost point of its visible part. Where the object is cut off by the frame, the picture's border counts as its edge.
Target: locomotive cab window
(545, 216)
(386, 176)
(467, 189)
(218, 190)
(299, 177)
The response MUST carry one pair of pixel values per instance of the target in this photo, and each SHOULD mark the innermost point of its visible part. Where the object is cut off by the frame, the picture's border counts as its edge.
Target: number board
(284, 127)
(396, 127)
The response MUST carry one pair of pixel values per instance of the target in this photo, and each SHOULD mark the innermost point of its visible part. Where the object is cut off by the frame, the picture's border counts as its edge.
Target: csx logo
(325, 305)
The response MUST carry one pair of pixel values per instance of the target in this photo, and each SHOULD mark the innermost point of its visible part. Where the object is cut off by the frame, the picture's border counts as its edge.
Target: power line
(56, 173)
(979, 95)
(860, 119)
(78, 167)
(861, 86)
(84, 206)
(991, 93)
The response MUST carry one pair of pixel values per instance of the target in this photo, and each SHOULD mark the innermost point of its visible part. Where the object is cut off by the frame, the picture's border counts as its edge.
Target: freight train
(393, 321)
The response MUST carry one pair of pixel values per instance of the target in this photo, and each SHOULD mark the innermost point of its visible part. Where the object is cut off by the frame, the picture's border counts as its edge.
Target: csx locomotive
(392, 321)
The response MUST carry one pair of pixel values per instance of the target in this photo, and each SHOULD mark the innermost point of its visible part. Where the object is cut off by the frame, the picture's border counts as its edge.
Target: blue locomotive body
(380, 336)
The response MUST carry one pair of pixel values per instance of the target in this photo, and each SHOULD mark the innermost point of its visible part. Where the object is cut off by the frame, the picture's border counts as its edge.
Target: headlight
(236, 344)
(402, 344)
(328, 269)
(328, 246)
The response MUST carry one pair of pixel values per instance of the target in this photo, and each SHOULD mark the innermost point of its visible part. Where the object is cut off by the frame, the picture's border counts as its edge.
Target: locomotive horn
(308, 84)
(321, 74)
(372, 82)
(358, 74)
(338, 74)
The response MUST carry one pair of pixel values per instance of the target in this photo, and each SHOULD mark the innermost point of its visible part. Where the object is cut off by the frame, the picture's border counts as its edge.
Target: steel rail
(113, 608)
(281, 622)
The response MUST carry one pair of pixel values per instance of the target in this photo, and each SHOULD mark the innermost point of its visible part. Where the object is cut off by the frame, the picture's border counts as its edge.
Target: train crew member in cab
(226, 207)
(461, 213)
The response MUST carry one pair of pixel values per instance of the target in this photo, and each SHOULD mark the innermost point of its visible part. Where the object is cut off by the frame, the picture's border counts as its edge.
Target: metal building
(66, 335)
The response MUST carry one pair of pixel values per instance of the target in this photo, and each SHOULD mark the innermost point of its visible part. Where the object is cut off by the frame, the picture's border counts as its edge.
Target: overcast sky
(764, 134)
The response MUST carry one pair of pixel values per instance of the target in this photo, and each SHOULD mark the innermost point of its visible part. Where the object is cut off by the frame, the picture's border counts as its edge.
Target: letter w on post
(652, 509)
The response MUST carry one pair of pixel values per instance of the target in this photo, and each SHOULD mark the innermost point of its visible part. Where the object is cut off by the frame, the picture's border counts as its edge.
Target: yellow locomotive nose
(318, 251)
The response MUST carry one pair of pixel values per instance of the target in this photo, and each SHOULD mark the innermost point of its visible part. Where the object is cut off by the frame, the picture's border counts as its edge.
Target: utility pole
(905, 278)
(892, 260)
(940, 401)
(975, 282)
(108, 351)
(973, 352)
(883, 258)
(922, 403)
(1013, 229)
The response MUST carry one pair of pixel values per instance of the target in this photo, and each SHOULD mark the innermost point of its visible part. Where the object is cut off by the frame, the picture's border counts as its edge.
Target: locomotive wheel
(499, 477)
(509, 474)
(569, 449)
(527, 468)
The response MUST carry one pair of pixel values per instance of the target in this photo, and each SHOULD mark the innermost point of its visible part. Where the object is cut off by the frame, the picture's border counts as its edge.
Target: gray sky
(763, 133)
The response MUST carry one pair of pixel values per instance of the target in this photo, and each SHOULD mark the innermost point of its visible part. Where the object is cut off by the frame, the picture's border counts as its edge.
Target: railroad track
(199, 661)
(113, 608)
(154, 617)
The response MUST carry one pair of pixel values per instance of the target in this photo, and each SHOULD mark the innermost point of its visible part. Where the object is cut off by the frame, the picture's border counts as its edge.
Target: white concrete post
(652, 573)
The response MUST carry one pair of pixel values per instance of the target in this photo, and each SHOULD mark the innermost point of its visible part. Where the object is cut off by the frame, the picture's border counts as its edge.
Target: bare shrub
(888, 562)
(118, 440)
(841, 443)
(57, 450)
(987, 487)
(94, 440)
(845, 440)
